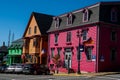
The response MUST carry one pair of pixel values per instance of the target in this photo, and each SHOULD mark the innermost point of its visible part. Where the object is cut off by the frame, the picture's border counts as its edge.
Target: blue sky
(14, 14)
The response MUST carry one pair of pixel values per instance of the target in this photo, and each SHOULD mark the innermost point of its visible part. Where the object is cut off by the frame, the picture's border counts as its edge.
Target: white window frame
(85, 15)
(57, 22)
(84, 35)
(69, 19)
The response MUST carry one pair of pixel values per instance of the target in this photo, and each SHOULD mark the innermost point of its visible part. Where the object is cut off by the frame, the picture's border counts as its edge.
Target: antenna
(12, 37)
(9, 38)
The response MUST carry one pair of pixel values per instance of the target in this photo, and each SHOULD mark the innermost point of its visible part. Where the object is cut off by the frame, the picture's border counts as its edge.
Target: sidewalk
(87, 74)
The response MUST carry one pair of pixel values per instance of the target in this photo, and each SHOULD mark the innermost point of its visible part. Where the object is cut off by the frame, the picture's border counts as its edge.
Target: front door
(68, 58)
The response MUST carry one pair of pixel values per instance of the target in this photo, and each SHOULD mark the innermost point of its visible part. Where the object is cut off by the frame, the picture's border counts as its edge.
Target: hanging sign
(81, 48)
(93, 57)
(43, 51)
(102, 58)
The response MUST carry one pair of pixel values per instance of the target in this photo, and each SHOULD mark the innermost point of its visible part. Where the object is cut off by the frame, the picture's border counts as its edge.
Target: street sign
(81, 48)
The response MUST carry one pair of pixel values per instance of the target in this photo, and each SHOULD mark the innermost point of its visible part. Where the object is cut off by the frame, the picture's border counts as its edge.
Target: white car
(18, 68)
(10, 69)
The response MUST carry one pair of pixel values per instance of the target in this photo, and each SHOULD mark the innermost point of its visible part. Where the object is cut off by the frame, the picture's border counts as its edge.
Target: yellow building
(35, 37)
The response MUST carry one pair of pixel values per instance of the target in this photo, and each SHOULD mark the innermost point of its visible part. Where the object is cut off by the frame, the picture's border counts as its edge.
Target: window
(57, 22)
(85, 15)
(69, 19)
(89, 53)
(29, 31)
(68, 39)
(113, 54)
(113, 15)
(84, 35)
(56, 38)
(59, 50)
(113, 35)
(34, 42)
(52, 52)
(35, 29)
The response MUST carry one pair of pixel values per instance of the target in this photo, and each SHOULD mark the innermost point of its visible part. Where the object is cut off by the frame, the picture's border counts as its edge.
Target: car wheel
(35, 72)
(47, 72)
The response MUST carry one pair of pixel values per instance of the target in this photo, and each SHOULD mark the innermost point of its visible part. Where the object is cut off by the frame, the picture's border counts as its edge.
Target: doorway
(68, 59)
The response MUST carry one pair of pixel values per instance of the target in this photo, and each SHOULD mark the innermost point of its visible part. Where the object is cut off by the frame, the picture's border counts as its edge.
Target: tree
(57, 61)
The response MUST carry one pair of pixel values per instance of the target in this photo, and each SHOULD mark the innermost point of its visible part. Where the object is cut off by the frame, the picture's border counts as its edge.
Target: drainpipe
(97, 47)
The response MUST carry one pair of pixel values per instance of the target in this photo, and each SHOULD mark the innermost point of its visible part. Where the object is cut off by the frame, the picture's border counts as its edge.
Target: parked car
(10, 69)
(14, 68)
(2, 68)
(35, 69)
(18, 68)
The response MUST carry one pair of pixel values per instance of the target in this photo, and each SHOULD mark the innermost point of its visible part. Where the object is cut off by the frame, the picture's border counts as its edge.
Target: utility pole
(9, 35)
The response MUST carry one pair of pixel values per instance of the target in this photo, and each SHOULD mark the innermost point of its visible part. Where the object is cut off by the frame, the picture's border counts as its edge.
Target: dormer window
(113, 15)
(85, 15)
(69, 19)
(57, 22)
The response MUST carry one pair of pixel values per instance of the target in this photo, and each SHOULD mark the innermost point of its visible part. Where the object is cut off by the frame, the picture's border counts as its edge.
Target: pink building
(96, 29)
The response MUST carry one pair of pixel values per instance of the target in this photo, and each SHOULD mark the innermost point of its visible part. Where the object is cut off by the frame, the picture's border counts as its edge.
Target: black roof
(43, 20)
(97, 14)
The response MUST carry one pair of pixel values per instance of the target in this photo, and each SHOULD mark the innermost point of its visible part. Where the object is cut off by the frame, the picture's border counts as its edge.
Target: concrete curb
(87, 74)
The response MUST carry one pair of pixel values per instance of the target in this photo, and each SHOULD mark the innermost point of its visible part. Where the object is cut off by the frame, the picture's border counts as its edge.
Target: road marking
(109, 78)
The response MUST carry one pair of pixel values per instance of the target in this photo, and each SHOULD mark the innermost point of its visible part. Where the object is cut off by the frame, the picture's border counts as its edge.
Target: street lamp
(78, 55)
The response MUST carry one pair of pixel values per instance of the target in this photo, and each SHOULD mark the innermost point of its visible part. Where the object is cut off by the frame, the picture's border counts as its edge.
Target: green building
(15, 52)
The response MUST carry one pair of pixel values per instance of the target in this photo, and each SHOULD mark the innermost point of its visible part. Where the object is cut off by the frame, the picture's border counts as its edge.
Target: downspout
(48, 51)
(41, 42)
(97, 47)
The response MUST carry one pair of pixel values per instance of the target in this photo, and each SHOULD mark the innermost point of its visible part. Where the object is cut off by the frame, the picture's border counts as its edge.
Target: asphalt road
(51, 77)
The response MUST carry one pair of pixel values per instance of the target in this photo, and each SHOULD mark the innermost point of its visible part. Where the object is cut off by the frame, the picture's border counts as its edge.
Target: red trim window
(114, 15)
(84, 35)
(68, 38)
(56, 39)
(89, 53)
(85, 15)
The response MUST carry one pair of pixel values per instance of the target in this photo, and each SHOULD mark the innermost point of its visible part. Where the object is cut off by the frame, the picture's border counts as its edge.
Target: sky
(15, 14)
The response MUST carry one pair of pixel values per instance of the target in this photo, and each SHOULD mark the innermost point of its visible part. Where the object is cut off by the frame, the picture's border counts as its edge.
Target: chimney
(3, 43)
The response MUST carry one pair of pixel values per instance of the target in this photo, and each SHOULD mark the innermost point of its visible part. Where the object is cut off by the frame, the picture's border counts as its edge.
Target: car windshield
(20, 66)
(11, 66)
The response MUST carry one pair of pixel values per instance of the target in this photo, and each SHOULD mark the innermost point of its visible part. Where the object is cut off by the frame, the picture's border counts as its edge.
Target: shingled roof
(17, 43)
(43, 20)
(99, 12)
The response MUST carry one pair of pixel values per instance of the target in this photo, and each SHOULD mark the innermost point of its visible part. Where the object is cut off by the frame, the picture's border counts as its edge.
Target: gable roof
(43, 21)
